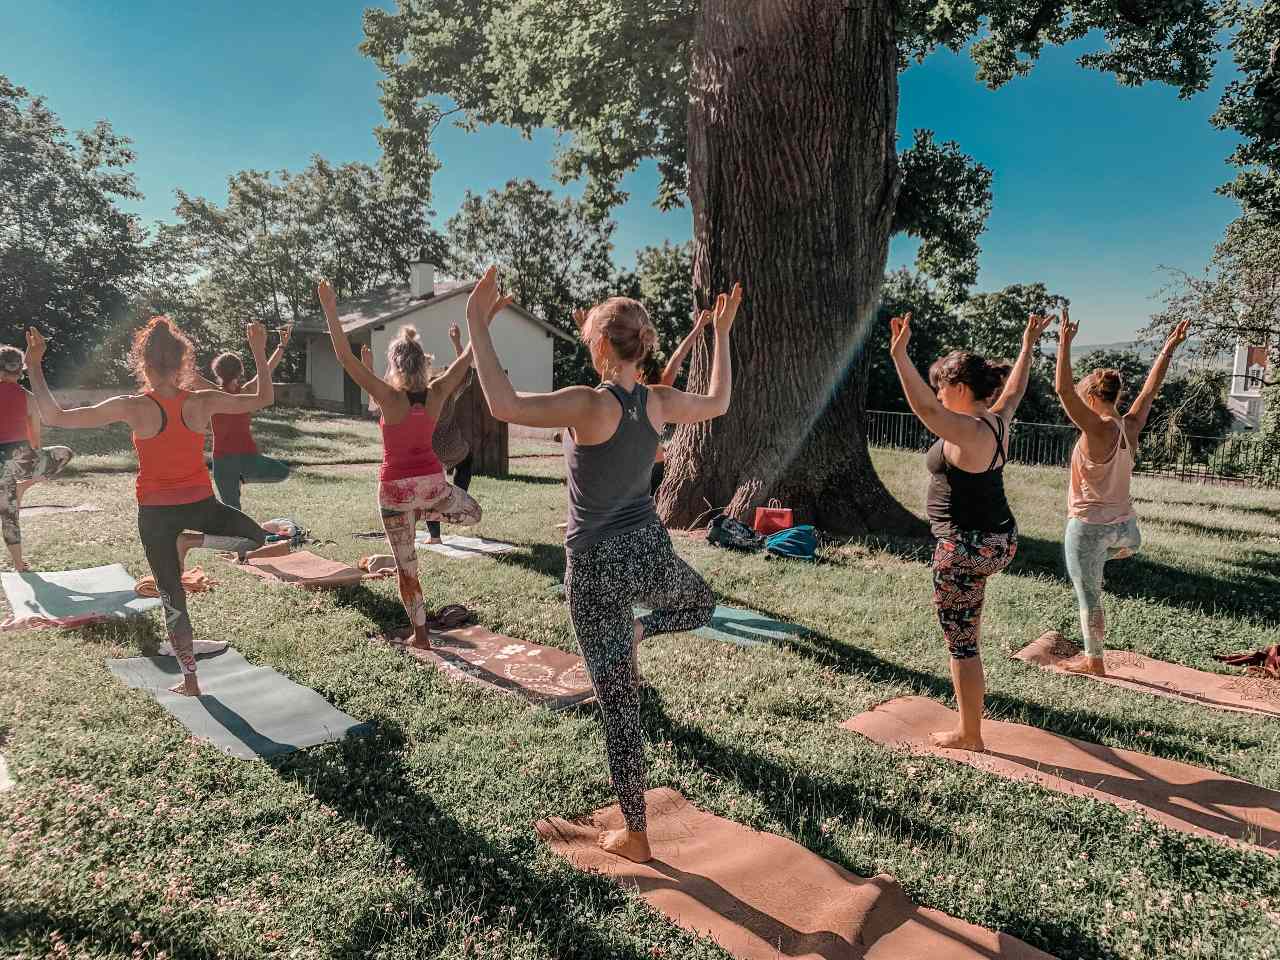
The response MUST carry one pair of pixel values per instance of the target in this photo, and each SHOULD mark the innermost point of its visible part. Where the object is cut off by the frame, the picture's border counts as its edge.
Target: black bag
(725, 531)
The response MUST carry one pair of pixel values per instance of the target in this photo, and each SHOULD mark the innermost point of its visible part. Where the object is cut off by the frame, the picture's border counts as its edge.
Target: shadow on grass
(97, 932)
(1271, 512)
(1252, 596)
(440, 850)
(546, 559)
(1159, 739)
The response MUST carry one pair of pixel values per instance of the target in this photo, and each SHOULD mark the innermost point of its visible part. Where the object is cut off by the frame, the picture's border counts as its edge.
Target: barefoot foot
(957, 740)
(434, 540)
(1085, 664)
(624, 843)
(188, 686)
(421, 639)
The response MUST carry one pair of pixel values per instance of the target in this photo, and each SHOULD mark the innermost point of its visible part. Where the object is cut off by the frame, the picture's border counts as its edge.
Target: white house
(1248, 375)
(526, 344)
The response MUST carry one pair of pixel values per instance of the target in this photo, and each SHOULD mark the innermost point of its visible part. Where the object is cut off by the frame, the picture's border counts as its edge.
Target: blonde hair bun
(409, 333)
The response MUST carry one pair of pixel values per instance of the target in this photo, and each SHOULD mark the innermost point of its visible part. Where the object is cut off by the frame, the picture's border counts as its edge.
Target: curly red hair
(161, 352)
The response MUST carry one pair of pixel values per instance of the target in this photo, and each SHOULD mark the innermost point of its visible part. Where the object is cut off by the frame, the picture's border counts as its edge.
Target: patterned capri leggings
(18, 464)
(603, 584)
(1088, 547)
(405, 502)
(961, 565)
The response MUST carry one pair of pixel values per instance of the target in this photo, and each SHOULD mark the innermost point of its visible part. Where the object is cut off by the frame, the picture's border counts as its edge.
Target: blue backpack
(798, 543)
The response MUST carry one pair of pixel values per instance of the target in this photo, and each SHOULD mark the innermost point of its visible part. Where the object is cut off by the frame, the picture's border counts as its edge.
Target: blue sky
(1096, 185)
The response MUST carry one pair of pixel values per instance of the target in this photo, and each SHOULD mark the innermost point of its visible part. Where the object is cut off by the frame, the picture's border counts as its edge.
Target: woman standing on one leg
(412, 485)
(1101, 523)
(175, 494)
(619, 554)
(236, 459)
(22, 460)
(968, 512)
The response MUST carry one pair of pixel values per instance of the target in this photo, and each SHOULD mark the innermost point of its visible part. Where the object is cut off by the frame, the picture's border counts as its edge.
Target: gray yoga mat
(746, 628)
(73, 597)
(243, 710)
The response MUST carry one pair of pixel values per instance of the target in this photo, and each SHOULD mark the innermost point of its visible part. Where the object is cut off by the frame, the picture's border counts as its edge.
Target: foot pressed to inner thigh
(632, 845)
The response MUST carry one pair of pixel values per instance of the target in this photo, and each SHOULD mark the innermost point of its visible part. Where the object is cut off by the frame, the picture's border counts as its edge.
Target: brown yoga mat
(306, 569)
(1133, 671)
(761, 896)
(543, 675)
(1190, 799)
(52, 509)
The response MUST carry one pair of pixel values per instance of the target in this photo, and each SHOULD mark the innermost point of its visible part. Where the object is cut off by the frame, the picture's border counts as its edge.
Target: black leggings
(462, 480)
(603, 584)
(225, 528)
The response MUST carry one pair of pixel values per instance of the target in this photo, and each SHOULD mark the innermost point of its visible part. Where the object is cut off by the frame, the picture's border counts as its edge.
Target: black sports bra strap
(416, 397)
(164, 417)
(998, 458)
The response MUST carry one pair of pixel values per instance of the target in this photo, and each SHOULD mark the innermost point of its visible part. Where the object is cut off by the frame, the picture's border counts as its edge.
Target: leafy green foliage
(69, 256)
(1251, 106)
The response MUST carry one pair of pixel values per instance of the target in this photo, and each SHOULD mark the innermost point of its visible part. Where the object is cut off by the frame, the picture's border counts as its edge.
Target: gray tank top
(609, 481)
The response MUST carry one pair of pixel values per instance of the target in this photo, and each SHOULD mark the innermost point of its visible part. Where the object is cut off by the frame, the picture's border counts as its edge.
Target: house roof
(392, 301)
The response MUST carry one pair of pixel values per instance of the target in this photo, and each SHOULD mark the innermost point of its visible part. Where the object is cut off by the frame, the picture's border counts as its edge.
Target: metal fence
(1241, 458)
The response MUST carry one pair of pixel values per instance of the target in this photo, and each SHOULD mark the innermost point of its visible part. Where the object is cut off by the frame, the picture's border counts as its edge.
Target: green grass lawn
(125, 838)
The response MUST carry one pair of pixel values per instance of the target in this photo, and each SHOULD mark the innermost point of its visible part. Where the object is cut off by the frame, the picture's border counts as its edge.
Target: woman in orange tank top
(175, 495)
(1101, 523)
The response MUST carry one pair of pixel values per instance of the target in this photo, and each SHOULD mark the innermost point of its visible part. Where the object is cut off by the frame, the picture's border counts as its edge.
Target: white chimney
(422, 276)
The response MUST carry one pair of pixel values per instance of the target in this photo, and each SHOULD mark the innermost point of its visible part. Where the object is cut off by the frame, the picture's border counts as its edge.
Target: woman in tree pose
(977, 536)
(619, 554)
(23, 461)
(1101, 523)
(236, 459)
(175, 494)
(412, 485)
(667, 378)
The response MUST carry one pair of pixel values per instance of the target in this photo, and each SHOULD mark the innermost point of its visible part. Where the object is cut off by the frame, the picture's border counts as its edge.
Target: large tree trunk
(793, 179)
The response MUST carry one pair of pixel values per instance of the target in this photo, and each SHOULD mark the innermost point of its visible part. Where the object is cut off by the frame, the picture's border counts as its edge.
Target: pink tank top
(14, 423)
(406, 446)
(1099, 491)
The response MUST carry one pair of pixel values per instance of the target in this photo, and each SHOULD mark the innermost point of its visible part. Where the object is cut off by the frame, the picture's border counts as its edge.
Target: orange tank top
(1099, 491)
(171, 468)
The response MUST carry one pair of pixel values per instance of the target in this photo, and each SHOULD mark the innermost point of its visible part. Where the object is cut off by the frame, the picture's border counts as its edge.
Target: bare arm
(1141, 408)
(452, 378)
(952, 427)
(33, 426)
(563, 408)
(263, 394)
(1064, 384)
(672, 369)
(273, 361)
(1015, 387)
(681, 407)
(370, 382)
(115, 410)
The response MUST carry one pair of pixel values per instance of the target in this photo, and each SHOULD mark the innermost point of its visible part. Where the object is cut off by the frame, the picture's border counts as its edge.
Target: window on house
(1253, 377)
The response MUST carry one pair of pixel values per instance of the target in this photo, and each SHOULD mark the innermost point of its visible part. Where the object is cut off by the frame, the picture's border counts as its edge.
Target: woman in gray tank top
(619, 554)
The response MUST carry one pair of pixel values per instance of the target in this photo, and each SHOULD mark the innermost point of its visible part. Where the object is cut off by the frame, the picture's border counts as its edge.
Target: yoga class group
(619, 556)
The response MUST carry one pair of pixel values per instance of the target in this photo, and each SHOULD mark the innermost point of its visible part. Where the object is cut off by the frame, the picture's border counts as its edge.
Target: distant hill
(1187, 357)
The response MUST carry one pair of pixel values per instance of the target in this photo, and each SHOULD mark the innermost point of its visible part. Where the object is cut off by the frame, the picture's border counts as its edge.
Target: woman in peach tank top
(1101, 523)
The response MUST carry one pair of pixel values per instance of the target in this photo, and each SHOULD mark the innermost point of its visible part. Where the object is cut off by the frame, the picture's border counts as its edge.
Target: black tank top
(960, 501)
(609, 481)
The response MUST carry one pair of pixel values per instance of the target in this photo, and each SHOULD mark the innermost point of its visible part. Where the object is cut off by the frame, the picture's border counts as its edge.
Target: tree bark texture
(793, 178)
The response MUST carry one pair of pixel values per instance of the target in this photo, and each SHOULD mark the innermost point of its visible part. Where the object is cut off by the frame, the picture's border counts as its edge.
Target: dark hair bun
(982, 376)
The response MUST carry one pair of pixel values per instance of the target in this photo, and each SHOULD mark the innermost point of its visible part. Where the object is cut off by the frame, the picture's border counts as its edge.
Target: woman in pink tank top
(411, 484)
(1101, 523)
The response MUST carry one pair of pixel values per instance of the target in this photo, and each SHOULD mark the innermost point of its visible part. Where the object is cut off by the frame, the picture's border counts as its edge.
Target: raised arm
(921, 399)
(1064, 383)
(672, 369)
(679, 406)
(1141, 408)
(246, 401)
(277, 355)
(563, 408)
(452, 378)
(369, 381)
(115, 410)
(1015, 387)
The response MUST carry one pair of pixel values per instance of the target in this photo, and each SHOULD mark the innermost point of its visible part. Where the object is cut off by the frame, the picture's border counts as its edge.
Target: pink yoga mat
(762, 897)
(542, 675)
(1179, 795)
(307, 570)
(1133, 671)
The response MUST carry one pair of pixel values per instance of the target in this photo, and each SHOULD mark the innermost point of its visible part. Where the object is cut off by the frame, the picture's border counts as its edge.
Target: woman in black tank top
(619, 555)
(970, 414)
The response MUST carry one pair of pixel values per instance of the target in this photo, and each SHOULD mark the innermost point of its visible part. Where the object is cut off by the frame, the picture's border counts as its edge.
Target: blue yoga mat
(243, 710)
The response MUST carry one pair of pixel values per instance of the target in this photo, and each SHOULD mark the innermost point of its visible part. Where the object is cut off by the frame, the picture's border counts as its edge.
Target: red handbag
(773, 518)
